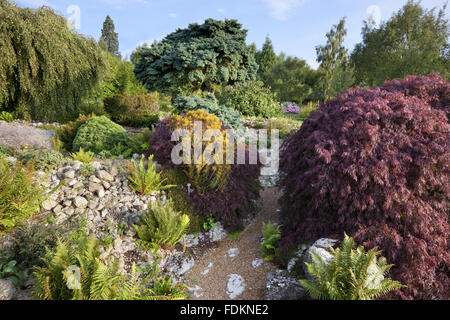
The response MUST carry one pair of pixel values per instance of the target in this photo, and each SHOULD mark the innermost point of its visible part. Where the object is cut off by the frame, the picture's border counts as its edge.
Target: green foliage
(353, 274)
(68, 132)
(100, 134)
(414, 41)
(251, 99)
(11, 271)
(82, 156)
(58, 278)
(20, 195)
(334, 62)
(42, 160)
(161, 225)
(266, 59)
(6, 151)
(139, 142)
(292, 79)
(208, 224)
(145, 181)
(30, 241)
(6, 116)
(109, 37)
(119, 78)
(45, 68)
(166, 287)
(133, 110)
(87, 170)
(228, 116)
(271, 234)
(196, 58)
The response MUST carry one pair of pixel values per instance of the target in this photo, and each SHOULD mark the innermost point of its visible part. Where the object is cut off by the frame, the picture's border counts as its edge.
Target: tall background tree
(292, 79)
(334, 69)
(413, 41)
(45, 69)
(198, 58)
(110, 37)
(266, 59)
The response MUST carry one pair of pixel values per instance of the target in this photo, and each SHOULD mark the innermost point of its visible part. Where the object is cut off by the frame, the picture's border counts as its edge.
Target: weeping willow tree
(45, 68)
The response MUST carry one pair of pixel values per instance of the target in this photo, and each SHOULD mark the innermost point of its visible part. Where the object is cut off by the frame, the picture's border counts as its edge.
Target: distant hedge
(135, 110)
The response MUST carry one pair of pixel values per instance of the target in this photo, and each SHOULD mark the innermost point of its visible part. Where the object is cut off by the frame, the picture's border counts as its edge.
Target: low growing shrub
(251, 99)
(353, 274)
(68, 132)
(375, 163)
(42, 160)
(228, 116)
(100, 134)
(6, 116)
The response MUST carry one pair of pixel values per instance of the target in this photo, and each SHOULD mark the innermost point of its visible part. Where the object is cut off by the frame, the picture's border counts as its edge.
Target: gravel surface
(235, 267)
(18, 136)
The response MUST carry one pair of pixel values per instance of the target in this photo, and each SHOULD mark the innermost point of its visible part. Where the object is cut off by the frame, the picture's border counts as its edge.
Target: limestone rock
(281, 286)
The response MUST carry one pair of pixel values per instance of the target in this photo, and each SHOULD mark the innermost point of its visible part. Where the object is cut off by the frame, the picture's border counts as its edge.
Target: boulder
(281, 286)
(218, 232)
(179, 264)
(7, 289)
(321, 248)
(80, 202)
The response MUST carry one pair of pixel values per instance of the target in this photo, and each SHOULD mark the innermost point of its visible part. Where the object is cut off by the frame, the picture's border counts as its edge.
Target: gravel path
(234, 269)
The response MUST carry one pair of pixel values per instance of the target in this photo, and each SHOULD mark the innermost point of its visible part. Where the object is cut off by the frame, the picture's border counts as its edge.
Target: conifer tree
(110, 36)
(266, 59)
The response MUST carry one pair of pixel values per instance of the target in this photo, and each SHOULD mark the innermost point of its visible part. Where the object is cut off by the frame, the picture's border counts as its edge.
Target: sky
(295, 27)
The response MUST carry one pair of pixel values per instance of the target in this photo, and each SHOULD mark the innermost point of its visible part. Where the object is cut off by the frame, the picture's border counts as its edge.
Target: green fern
(353, 274)
(272, 235)
(162, 225)
(97, 281)
(145, 181)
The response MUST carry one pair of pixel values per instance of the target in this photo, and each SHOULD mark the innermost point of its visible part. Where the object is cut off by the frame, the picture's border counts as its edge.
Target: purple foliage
(375, 163)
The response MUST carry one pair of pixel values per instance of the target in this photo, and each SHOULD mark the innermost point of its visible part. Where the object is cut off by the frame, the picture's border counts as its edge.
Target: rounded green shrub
(251, 99)
(99, 134)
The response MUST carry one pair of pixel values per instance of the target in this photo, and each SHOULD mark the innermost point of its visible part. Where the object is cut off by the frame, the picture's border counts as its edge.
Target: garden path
(235, 269)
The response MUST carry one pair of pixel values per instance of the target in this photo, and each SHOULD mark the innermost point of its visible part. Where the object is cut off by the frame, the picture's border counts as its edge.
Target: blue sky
(295, 27)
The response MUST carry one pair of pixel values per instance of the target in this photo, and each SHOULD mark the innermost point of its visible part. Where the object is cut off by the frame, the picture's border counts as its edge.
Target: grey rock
(320, 248)
(93, 186)
(80, 202)
(104, 175)
(218, 232)
(100, 193)
(49, 204)
(92, 204)
(57, 209)
(281, 286)
(179, 264)
(190, 240)
(70, 174)
(7, 289)
(11, 159)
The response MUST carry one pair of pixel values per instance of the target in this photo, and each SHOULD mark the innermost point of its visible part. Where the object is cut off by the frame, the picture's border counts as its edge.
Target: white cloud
(280, 8)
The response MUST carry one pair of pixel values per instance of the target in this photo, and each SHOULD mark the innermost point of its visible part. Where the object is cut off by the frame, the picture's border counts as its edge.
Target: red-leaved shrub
(230, 206)
(375, 164)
